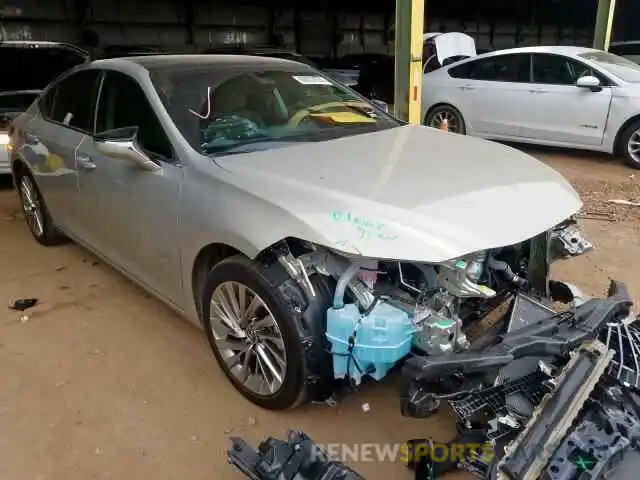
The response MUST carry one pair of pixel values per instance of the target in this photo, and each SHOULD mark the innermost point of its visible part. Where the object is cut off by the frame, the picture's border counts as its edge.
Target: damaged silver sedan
(316, 239)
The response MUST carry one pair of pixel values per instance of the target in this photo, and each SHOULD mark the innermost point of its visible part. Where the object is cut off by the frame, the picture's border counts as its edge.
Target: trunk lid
(31, 65)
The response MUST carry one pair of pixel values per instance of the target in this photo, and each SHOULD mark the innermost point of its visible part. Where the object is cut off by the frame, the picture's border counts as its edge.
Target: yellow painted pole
(604, 24)
(409, 28)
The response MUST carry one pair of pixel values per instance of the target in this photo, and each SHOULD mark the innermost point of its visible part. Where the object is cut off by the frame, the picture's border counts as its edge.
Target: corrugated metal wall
(147, 22)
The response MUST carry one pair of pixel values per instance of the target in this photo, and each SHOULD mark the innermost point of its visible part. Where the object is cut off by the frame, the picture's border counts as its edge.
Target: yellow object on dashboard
(343, 117)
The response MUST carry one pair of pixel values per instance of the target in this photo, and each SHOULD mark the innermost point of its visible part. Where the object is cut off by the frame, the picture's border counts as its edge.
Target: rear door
(560, 111)
(492, 94)
(52, 138)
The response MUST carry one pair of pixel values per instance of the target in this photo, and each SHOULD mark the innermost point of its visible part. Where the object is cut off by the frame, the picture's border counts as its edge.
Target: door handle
(537, 91)
(85, 163)
(466, 87)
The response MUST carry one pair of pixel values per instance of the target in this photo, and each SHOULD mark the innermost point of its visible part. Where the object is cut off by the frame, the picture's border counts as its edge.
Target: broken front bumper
(428, 380)
(594, 391)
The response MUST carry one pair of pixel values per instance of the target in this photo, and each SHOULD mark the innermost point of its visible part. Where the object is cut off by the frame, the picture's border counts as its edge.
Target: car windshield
(621, 67)
(223, 111)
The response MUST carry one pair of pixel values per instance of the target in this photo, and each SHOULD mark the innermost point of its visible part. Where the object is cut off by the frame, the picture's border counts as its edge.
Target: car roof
(557, 49)
(181, 61)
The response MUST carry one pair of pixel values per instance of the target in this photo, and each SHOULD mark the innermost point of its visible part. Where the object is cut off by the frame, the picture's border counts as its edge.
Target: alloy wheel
(438, 118)
(633, 146)
(31, 206)
(248, 338)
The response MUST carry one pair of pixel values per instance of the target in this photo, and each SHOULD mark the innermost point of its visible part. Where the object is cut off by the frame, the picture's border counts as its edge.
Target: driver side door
(559, 110)
(133, 212)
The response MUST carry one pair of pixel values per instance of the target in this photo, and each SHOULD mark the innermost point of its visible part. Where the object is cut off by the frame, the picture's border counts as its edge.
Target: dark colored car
(118, 51)
(259, 51)
(27, 68)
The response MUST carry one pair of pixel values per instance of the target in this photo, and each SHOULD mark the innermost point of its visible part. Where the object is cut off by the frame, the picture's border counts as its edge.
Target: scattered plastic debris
(625, 202)
(23, 304)
(24, 318)
(366, 407)
(251, 421)
(297, 458)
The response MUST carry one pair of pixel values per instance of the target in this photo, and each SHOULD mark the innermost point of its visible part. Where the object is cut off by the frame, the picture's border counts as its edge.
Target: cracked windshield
(257, 110)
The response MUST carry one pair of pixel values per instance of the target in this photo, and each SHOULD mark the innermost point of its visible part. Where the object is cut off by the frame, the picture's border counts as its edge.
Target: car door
(559, 110)
(492, 93)
(52, 139)
(133, 212)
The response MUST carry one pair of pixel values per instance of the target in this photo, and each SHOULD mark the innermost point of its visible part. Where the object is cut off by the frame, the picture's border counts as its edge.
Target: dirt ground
(103, 381)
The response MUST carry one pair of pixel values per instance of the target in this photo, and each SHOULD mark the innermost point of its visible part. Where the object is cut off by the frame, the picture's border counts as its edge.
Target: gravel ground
(104, 382)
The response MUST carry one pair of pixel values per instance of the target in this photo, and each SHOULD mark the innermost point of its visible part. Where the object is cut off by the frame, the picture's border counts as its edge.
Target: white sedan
(560, 96)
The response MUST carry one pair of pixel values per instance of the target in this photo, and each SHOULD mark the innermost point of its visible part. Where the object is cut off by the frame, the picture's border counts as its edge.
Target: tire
(240, 272)
(624, 147)
(436, 114)
(35, 211)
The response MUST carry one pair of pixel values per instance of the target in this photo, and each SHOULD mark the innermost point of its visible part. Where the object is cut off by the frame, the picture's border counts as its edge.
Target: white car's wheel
(629, 145)
(437, 115)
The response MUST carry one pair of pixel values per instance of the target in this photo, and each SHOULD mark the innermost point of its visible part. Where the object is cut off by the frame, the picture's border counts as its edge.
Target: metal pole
(604, 24)
(409, 28)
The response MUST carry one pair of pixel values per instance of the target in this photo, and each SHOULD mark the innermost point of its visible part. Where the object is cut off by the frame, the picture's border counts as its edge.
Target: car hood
(409, 193)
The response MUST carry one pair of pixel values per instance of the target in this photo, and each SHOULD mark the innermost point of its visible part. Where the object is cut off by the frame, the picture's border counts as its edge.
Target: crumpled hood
(409, 193)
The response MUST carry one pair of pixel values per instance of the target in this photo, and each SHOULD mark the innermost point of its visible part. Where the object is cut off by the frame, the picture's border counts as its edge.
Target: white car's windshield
(237, 110)
(620, 67)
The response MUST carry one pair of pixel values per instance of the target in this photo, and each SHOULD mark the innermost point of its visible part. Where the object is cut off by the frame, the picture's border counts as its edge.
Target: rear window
(33, 68)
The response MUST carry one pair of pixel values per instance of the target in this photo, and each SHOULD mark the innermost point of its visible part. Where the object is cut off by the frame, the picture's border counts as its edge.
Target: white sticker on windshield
(311, 80)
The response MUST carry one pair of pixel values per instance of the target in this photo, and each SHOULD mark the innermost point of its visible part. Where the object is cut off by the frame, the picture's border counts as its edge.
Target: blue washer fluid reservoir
(381, 339)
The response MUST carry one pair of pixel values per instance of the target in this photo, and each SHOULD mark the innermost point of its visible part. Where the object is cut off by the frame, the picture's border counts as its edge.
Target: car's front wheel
(629, 145)
(251, 329)
(438, 115)
(35, 211)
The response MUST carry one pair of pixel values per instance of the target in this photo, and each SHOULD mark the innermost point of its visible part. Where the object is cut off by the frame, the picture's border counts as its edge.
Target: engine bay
(382, 311)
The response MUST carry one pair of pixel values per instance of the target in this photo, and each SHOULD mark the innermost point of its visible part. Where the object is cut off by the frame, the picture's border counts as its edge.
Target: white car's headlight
(5, 139)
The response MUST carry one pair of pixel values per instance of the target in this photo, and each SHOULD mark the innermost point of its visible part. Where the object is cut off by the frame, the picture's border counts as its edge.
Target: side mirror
(380, 104)
(590, 82)
(121, 143)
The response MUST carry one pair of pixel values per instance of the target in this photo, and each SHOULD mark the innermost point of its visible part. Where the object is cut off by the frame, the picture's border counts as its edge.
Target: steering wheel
(297, 119)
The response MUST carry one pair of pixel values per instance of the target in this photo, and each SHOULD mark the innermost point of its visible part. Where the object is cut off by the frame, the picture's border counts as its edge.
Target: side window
(462, 71)
(73, 100)
(500, 68)
(553, 70)
(558, 70)
(123, 104)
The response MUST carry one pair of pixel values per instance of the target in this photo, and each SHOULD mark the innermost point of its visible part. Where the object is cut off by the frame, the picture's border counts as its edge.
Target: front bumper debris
(429, 380)
(527, 457)
(561, 385)
(296, 459)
